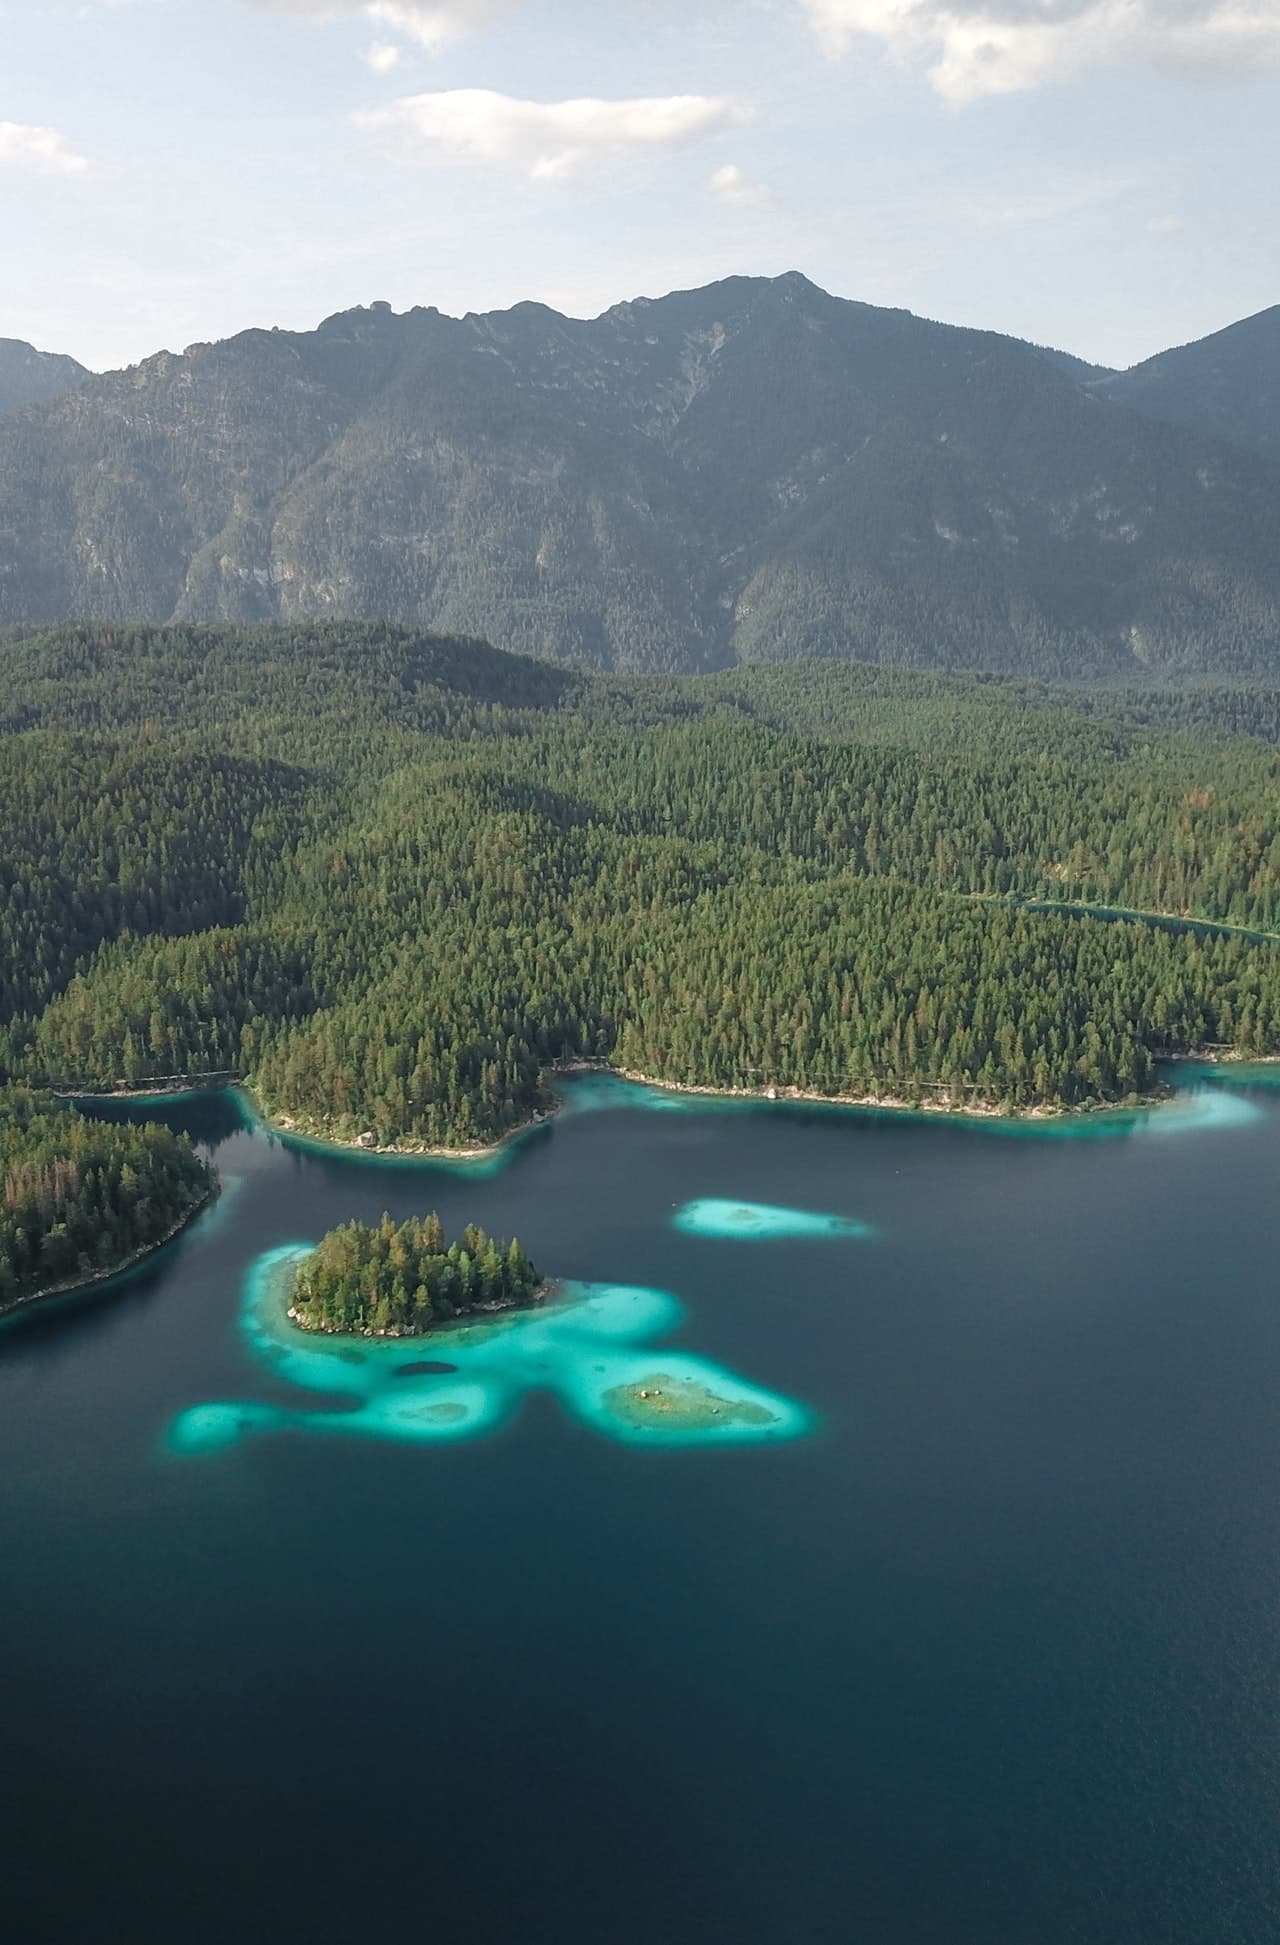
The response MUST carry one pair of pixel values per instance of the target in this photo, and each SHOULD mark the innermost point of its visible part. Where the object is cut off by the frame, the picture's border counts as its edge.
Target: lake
(985, 1648)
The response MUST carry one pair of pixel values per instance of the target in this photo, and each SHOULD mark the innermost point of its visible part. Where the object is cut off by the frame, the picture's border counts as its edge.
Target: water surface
(990, 1654)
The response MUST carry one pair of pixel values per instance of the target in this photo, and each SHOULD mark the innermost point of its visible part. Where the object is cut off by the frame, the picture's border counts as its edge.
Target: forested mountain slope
(750, 472)
(1227, 385)
(28, 376)
(394, 879)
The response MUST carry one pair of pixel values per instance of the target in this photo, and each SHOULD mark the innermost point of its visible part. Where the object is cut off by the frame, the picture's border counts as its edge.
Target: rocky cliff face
(750, 471)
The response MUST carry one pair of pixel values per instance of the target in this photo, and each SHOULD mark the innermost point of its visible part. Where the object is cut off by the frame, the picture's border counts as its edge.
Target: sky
(1094, 174)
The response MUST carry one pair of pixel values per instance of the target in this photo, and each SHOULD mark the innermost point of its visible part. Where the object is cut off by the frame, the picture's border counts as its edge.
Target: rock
(368, 1139)
(771, 1094)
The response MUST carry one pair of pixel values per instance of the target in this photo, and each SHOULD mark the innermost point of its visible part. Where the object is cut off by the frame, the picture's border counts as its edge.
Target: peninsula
(81, 1200)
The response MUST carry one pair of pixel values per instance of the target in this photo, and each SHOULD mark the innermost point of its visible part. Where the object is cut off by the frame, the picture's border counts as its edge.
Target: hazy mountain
(28, 376)
(751, 471)
(1079, 368)
(1227, 384)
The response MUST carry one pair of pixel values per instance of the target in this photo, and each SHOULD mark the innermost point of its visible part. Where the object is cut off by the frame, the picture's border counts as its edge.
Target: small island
(590, 1345)
(401, 1281)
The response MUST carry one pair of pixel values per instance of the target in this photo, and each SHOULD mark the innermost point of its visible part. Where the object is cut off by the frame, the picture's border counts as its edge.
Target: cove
(983, 1646)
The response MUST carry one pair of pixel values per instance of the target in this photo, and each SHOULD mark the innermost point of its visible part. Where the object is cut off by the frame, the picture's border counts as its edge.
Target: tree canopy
(400, 1280)
(82, 1197)
(395, 879)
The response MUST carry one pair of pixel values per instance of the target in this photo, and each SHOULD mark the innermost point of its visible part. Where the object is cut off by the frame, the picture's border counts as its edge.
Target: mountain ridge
(29, 377)
(1227, 384)
(746, 471)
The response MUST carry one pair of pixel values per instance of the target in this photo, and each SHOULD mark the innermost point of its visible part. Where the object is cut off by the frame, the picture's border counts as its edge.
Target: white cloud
(432, 23)
(989, 47)
(729, 185)
(44, 149)
(1163, 225)
(381, 56)
(549, 140)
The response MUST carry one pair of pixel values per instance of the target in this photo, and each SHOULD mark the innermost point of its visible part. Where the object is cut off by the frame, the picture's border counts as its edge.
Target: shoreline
(481, 1314)
(76, 1285)
(159, 1089)
(408, 1150)
(975, 1110)
(979, 1110)
(288, 1130)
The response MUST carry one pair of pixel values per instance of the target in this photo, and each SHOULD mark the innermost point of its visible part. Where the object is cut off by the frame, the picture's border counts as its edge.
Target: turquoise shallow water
(592, 1348)
(980, 1647)
(759, 1222)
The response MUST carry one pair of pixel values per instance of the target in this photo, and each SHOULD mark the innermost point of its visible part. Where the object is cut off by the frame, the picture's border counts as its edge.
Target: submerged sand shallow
(591, 1348)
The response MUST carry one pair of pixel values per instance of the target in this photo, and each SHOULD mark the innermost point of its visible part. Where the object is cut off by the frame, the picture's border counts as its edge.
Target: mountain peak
(1227, 384)
(752, 470)
(28, 376)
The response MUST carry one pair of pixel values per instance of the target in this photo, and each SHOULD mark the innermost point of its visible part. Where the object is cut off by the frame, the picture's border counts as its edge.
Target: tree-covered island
(394, 1281)
(81, 1199)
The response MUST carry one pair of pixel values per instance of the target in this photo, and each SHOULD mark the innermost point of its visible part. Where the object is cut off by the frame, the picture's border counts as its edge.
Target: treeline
(395, 880)
(82, 1197)
(400, 1280)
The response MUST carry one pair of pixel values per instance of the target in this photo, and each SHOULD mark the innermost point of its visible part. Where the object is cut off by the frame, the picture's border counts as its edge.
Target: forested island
(396, 881)
(399, 1281)
(83, 1198)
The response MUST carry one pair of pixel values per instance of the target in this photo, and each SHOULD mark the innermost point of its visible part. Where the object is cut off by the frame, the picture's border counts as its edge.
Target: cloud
(381, 56)
(729, 185)
(432, 23)
(1163, 225)
(45, 150)
(549, 140)
(991, 47)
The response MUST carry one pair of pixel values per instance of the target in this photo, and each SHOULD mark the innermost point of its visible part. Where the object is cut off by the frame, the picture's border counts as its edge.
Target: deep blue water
(993, 1655)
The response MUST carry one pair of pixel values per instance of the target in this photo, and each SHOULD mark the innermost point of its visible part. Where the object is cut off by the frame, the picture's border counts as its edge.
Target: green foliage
(80, 1197)
(397, 880)
(401, 1280)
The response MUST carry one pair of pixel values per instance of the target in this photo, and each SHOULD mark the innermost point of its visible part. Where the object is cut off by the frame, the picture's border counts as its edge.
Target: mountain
(752, 471)
(1079, 368)
(1227, 385)
(28, 376)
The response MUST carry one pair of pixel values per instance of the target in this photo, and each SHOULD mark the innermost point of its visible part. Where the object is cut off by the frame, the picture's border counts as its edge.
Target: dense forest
(394, 880)
(82, 1197)
(398, 1281)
